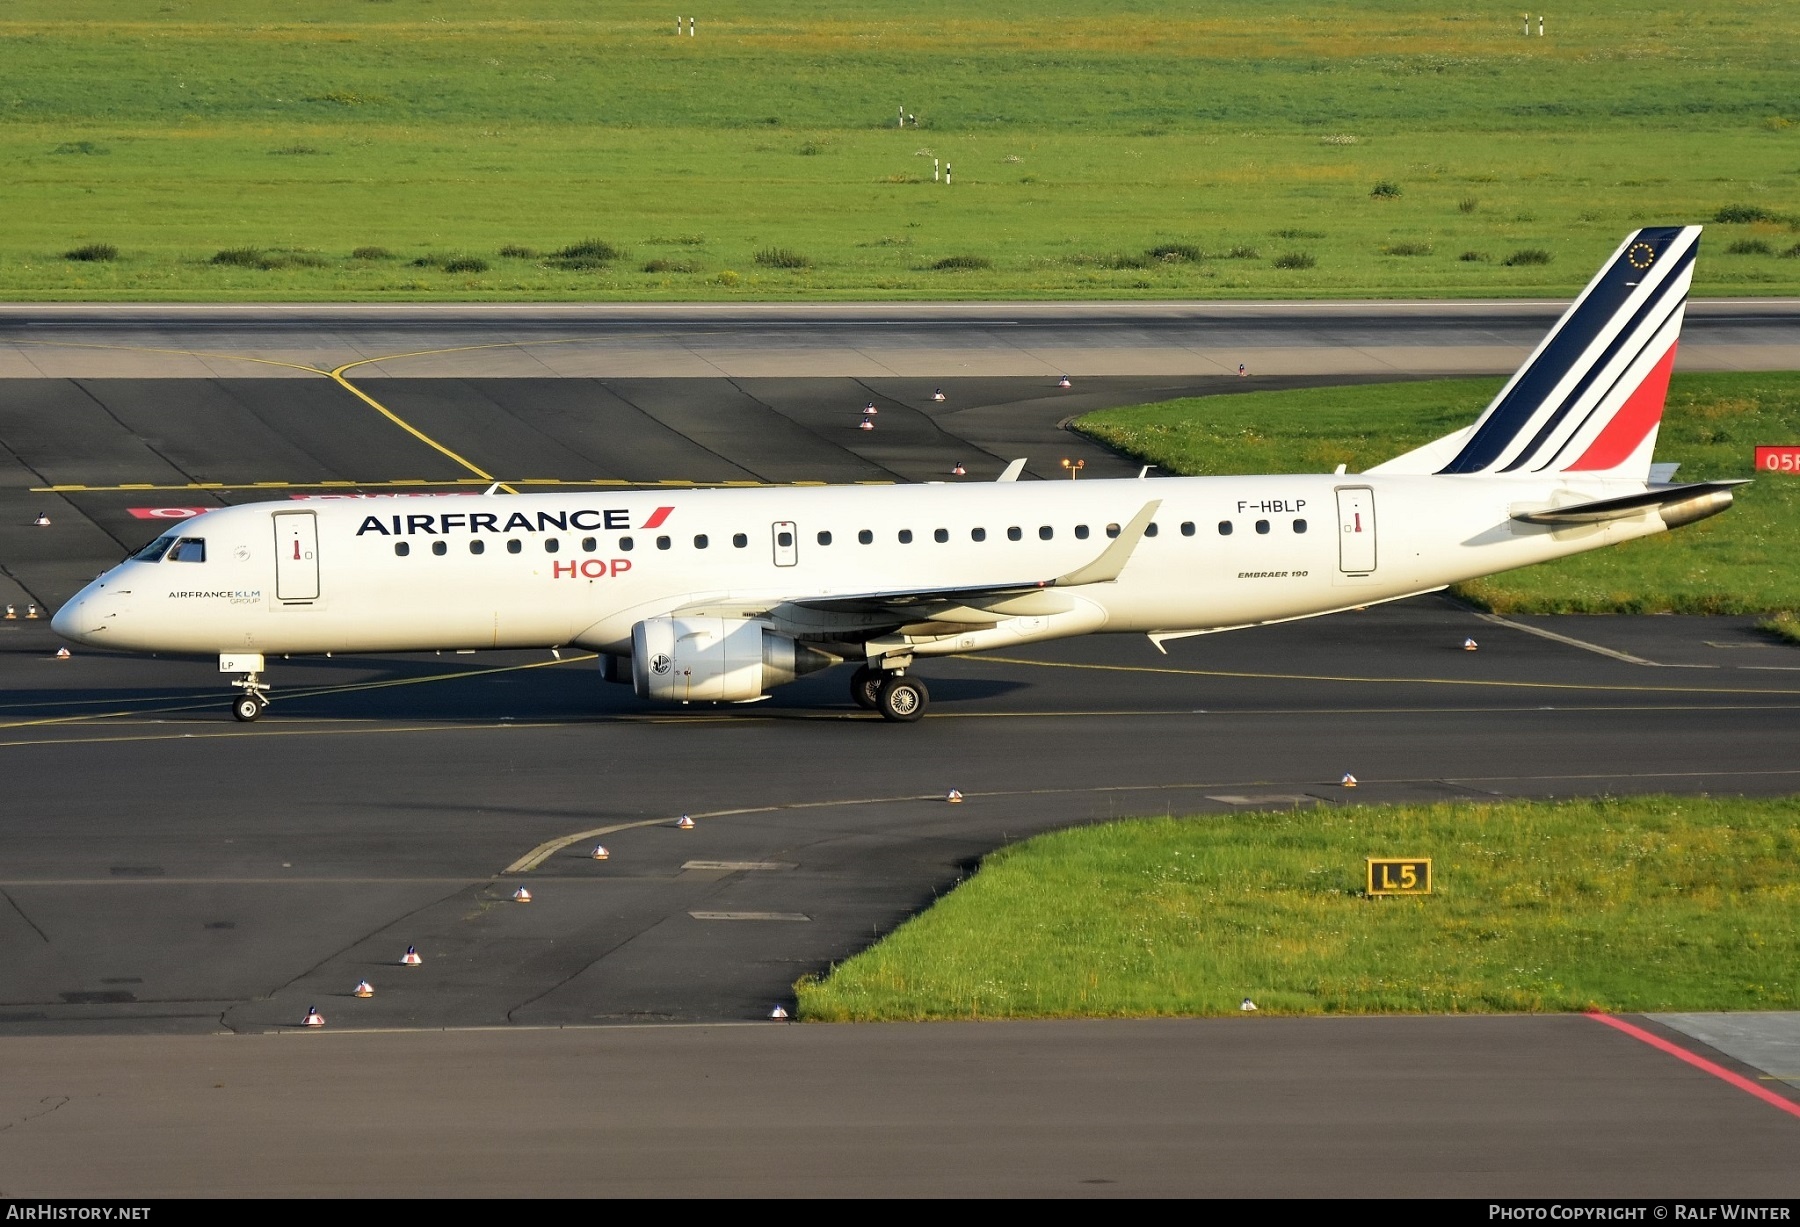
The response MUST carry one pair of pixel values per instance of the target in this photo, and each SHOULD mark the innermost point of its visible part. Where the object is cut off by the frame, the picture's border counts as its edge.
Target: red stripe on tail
(662, 513)
(1636, 418)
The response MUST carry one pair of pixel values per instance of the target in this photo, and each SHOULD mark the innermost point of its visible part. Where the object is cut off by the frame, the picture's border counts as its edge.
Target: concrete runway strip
(934, 341)
(1332, 1107)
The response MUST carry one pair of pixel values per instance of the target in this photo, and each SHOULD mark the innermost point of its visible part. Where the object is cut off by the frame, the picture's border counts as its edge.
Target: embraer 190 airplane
(720, 595)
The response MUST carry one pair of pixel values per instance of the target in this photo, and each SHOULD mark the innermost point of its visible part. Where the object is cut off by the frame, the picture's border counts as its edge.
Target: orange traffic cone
(1064, 382)
(599, 853)
(953, 797)
(1468, 645)
(521, 895)
(62, 653)
(363, 989)
(411, 958)
(313, 1017)
(865, 424)
(1349, 781)
(958, 471)
(779, 1013)
(938, 395)
(869, 410)
(42, 521)
(685, 823)
(11, 613)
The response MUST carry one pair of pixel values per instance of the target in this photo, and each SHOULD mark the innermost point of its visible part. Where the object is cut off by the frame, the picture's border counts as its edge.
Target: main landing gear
(896, 696)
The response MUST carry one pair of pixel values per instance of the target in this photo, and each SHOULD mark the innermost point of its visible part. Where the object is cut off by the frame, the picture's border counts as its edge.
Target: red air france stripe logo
(1635, 419)
(656, 518)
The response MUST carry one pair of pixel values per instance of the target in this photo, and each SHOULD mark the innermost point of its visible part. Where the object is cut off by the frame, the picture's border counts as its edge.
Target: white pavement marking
(735, 866)
(749, 915)
(1570, 641)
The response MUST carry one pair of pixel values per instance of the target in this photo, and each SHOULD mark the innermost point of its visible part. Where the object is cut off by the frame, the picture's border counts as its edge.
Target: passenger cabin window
(551, 545)
(626, 544)
(783, 538)
(1262, 526)
(1081, 532)
(1150, 529)
(1046, 532)
(589, 544)
(1224, 528)
(401, 549)
(154, 551)
(1187, 528)
(440, 548)
(978, 534)
(1299, 526)
(663, 543)
(514, 546)
(700, 541)
(825, 538)
(906, 536)
(865, 536)
(940, 535)
(1113, 530)
(740, 540)
(477, 546)
(189, 549)
(1015, 534)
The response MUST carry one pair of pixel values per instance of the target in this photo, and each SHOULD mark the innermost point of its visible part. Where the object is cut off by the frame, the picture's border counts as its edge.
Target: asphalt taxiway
(178, 889)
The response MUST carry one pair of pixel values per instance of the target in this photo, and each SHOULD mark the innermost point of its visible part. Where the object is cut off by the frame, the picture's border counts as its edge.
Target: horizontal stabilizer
(1677, 504)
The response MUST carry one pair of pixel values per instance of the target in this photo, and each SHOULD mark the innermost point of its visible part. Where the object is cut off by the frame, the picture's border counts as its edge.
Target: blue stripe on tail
(1572, 339)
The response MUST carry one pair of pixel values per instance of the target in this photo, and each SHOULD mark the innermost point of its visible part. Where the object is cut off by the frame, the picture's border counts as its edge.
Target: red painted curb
(1718, 1071)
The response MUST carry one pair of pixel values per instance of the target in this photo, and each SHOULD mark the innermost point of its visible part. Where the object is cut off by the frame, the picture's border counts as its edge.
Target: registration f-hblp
(720, 595)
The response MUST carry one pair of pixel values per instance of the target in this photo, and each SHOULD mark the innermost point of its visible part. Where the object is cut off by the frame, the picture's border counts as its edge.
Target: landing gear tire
(247, 708)
(902, 699)
(865, 687)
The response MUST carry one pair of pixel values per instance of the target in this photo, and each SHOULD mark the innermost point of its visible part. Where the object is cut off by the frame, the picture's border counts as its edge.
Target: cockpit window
(154, 551)
(189, 549)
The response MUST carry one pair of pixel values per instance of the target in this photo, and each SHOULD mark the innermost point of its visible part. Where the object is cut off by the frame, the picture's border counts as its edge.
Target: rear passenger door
(1356, 530)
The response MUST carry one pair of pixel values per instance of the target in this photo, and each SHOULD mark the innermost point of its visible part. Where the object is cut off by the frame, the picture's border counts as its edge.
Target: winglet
(1012, 471)
(1112, 560)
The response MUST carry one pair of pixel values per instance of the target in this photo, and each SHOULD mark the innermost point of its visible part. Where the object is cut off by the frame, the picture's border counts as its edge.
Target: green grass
(1739, 562)
(1653, 903)
(1784, 626)
(1084, 136)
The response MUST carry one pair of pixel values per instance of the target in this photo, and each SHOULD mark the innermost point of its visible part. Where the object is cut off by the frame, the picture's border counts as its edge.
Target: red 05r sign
(1782, 458)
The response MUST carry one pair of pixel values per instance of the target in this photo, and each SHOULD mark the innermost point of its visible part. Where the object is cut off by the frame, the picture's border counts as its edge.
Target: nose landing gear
(249, 705)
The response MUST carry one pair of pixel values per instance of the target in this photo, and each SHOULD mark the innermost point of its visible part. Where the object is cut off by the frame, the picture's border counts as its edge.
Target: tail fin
(1590, 397)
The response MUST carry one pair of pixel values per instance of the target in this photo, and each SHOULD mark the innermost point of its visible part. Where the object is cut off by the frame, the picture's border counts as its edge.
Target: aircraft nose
(65, 620)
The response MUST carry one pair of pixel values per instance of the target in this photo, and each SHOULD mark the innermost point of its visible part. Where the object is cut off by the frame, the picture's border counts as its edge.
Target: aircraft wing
(1103, 569)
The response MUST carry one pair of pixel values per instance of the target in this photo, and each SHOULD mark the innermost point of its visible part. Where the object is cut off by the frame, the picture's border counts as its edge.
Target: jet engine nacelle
(727, 660)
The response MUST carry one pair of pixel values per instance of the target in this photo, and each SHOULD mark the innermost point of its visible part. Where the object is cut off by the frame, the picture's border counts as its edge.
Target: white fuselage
(582, 569)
